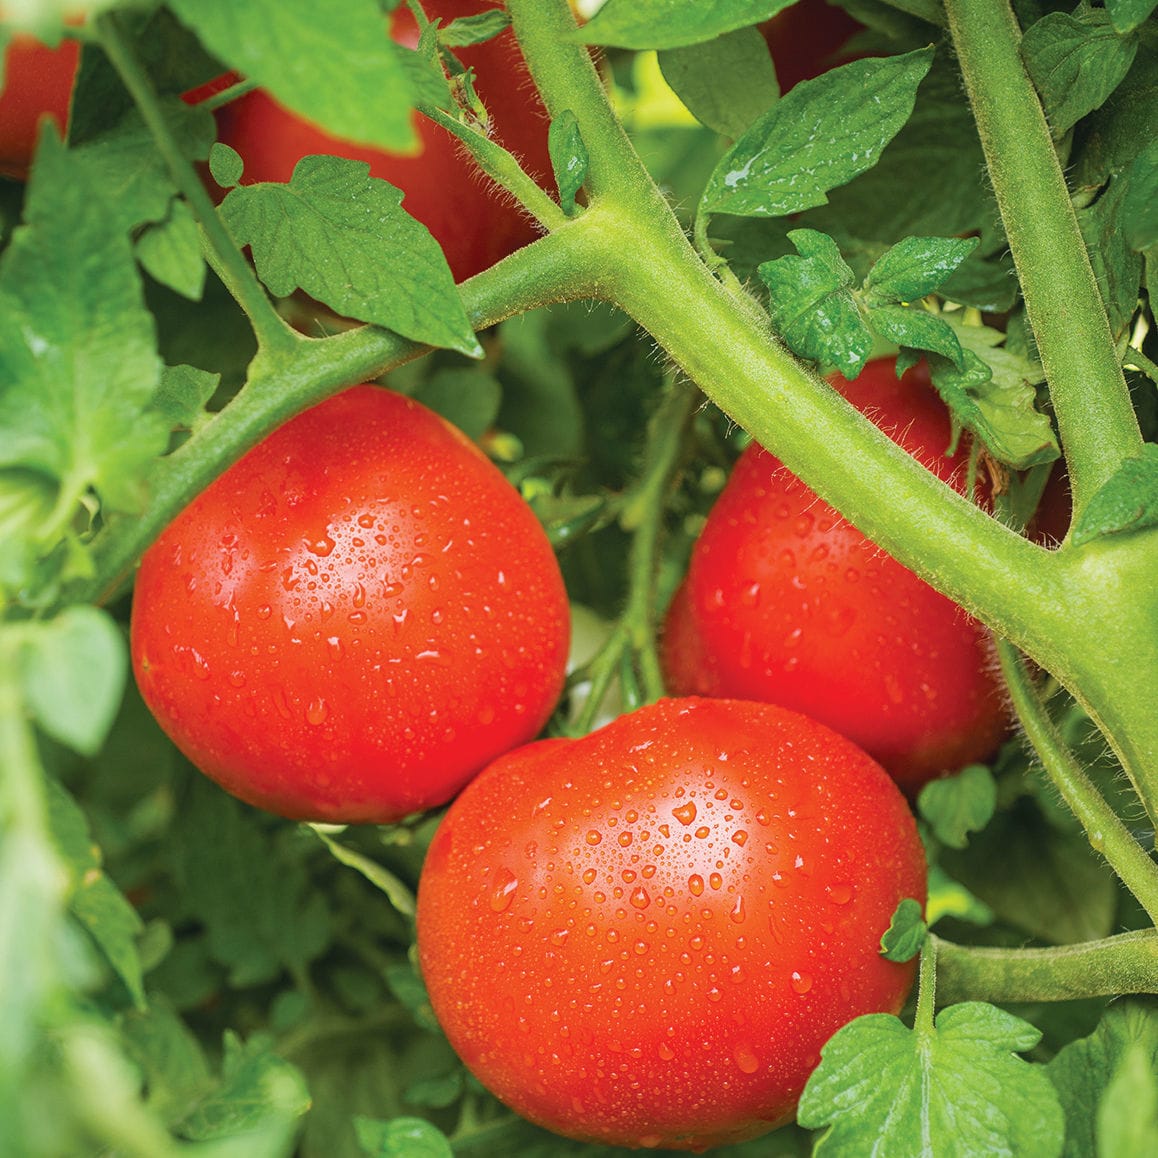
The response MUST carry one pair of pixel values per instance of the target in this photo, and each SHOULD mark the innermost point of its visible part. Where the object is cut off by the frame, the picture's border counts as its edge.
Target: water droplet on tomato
(696, 884)
(317, 712)
(840, 894)
(801, 983)
(745, 1059)
(639, 898)
(588, 876)
(750, 596)
(666, 1053)
(366, 521)
(559, 937)
(685, 813)
(716, 881)
(594, 837)
(264, 611)
(740, 837)
(738, 913)
(503, 886)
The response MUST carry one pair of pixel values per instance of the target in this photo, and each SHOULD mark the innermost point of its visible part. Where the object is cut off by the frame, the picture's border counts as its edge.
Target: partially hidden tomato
(354, 619)
(806, 40)
(37, 83)
(786, 601)
(643, 937)
(475, 224)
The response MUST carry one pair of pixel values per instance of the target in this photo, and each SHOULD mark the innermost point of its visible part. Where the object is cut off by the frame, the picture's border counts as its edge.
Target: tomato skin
(475, 224)
(37, 83)
(787, 602)
(643, 937)
(354, 619)
(806, 39)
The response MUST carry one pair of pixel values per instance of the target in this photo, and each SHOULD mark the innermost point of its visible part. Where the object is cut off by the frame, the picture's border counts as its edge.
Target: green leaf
(171, 1059)
(343, 237)
(643, 24)
(1127, 502)
(1117, 266)
(330, 61)
(915, 267)
(170, 252)
(183, 395)
(568, 158)
(950, 898)
(881, 1088)
(915, 328)
(1126, 15)
(994, 397)
(820, 135)
(466, 31)
(468, 397)
(1128, 1111)
(73, 676)
(78, 362)
(401, 1138)
(1075, 61)
(1140, 202)
(1085, 1071)
(726, 83)
(957, 805)
(812, 305)
(93, 899)
(906, 933)
(225, 165)
(399, 894)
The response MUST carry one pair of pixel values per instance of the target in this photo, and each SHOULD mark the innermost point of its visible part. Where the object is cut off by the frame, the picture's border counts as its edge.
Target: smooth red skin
(475, 223)
(806, 39)
(37, 83)
(589, 983)
(785, 601)
(354, 619)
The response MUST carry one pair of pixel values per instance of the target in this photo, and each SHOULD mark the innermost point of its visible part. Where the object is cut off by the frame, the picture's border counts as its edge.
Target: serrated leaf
(73, 676)
(726, 83)
(1127, 502)
(170, 252)
(330, 61)
(170, 1057)
(957, 805)
(956, 1089)
(916, 328)
(915, 267)
(1126, 15)
(819, 136)
(465, 31)
(642, 24)
(568, 158)
(78, 362)
(343, 237)
(183, 394)
(1117, 267)
(1084, 1070)
(812, 304)
(950, 898)
(1075, 61)
(1140, 202)
(401, 1138)
(399, 894)
(906, 933)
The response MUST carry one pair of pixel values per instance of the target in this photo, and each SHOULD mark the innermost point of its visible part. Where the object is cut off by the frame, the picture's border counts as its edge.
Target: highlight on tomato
(354, 619)
(786, 601)
(475, 224)
(643, 937)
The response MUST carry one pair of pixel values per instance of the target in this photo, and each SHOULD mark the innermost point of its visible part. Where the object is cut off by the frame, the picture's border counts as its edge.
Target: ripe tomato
(475, 224)
(643, 937)
(354, 619)
(37, 83)
(787, 602)
(806, 39)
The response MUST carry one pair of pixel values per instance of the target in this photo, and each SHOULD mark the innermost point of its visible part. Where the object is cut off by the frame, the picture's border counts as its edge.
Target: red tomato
(787, 602)
(37, 83)
(644, 937)
(475, 224)
(354, 619)
(806, 39)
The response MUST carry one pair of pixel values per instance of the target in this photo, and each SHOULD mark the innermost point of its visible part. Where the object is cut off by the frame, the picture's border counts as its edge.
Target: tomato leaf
(672, 23)
(399, 895)
(568, 158)
(1127, 502)
(331, 61)
(343, 237)
(1087, 1070)
(812, 304)
(170, 252)
(915, 328)
(915, 267)
(906, 933)
(726, 83)
(1075, 61)
(820, 135)
(883, 1088)
(1117, 267)
(957, 805)
(466, 396)
(950, 898)
(78, 362)
(465, 31)
(1140, 202)
(401, 1138)
(1126, 15)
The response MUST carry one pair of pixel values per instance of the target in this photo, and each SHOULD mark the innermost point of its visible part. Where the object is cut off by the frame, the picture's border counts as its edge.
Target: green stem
(1097, 422)
(1106, 832)
(1126, 963)
(226, 257)
(926, 988)
(1137, 360)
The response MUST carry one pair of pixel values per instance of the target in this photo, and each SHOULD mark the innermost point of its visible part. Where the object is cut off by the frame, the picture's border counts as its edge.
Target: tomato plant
(475, 224)
(699, 240)
(644, 936)
(302, 629)
(787, 602)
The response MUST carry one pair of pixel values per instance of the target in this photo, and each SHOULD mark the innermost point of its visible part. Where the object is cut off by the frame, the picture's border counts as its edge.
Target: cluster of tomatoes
(645, 935)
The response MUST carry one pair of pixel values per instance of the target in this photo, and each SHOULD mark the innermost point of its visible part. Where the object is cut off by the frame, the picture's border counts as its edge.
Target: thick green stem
(1127, 963)
(1087, 387)
(1105, 831)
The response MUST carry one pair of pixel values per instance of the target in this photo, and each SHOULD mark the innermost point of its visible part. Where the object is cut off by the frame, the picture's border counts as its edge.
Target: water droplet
(666, 1053)
(503, 886)
(264, 611)
(640, 948)
(839, 894)
(801, 983)
(594, 837)
(703, 832)
(893, 688)
(750, 596)
(625, 839)
(716, 881)
(696, 884)
(740, 837)
(588, 876)
(317, 712)
(366, 521)
(321, 547)
(559, 937)
(685, 813)
(237, 678)
(745, 1059)
(357, 617)
(737, 914)
(359, 599)
(639, 898)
